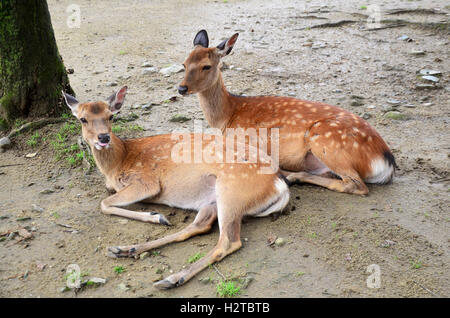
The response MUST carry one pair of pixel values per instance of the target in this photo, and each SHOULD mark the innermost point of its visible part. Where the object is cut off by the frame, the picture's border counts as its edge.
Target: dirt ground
(331, 238)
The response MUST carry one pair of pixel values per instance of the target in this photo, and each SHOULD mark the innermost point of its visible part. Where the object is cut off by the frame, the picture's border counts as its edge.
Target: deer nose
(182, 90)
(103, 138)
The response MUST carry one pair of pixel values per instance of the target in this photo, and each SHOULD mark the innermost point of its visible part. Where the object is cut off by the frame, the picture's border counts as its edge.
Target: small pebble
(280, 241)
(144, 255)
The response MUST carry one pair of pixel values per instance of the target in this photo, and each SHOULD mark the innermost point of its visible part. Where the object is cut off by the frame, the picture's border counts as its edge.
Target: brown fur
(331, 136)
(142, 169)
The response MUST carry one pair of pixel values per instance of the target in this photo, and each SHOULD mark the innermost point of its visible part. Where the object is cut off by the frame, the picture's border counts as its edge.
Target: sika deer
(318, 142)
(143, 170)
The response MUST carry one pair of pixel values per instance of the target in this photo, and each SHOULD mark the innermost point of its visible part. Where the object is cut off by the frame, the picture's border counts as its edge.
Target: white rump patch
(382, 171)
(281, 199)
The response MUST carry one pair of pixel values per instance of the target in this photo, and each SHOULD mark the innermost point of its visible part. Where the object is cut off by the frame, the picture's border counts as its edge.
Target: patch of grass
(179, 118)
(312, 235)
(122, 127)
(119, 269)
(195, 257)
(227, 289)
(333, 225)
(72, 276)
(55, 215)
(64, 148)
(122, 52)
(300, 273)
(363, 7)
(416, 264)
(117, 129)
(34, 140)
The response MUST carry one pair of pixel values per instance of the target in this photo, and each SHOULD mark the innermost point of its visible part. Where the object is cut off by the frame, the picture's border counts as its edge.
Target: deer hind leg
(129, 195)
(202, 224)
(229, 242)
(352, 185)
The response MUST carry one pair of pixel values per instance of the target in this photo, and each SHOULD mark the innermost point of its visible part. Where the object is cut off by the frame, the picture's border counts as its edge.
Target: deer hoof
(167, 284)
(116, 252)
(163, 220)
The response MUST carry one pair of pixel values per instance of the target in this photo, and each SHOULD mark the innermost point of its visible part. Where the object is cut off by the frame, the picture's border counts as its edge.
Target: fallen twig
(309, 17)
(425, 288)
(440, 180)
(12, 165)
(332, 24)
(386, 27)
(218, 272)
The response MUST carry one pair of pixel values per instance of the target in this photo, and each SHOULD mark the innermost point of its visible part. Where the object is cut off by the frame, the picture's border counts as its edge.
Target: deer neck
(110, 160)
(216, 104)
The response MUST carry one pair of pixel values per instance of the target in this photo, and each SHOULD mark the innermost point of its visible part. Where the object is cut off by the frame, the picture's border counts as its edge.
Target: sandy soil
(331, 238)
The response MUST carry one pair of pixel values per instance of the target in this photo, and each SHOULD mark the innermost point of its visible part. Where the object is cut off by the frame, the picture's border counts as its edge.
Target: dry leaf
(24, 233)
(31, 155)
(271, 239)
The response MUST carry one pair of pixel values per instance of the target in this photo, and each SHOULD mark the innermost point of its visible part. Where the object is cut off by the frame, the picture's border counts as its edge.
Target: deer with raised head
(143, 170)
(319, 143)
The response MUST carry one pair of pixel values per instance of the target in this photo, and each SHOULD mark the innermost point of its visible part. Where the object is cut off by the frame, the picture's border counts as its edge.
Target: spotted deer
(319, 144)
(143, 170)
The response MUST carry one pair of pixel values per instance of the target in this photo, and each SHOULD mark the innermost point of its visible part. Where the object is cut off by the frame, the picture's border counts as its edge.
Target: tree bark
(32, 73)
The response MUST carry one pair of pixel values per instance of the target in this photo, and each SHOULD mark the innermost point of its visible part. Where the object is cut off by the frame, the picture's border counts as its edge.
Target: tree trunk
(32, 73)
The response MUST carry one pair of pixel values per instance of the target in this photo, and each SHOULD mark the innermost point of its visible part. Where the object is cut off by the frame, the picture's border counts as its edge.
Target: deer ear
(226, 46)
(201, 38)
(116, 100)
(71, 102)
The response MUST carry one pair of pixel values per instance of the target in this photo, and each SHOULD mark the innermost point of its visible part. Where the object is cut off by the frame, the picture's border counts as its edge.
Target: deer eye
(206, 67)
(111, 117)
(83, 120)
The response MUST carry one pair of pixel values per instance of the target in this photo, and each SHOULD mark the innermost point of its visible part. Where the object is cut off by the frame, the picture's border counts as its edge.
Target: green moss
(3, 124)
(396, 115)
(31, 70)
(7, 105)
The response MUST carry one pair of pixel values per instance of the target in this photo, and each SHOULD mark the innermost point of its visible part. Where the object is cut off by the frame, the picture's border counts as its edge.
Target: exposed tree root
(34, 125)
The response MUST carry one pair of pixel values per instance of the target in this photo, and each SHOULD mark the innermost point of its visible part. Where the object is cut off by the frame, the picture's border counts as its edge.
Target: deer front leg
(129, 195)
(229, 242)
(202, 224)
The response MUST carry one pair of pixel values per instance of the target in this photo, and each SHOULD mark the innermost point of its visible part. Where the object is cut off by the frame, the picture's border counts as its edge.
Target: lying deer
(318, 142)
(142, 170)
